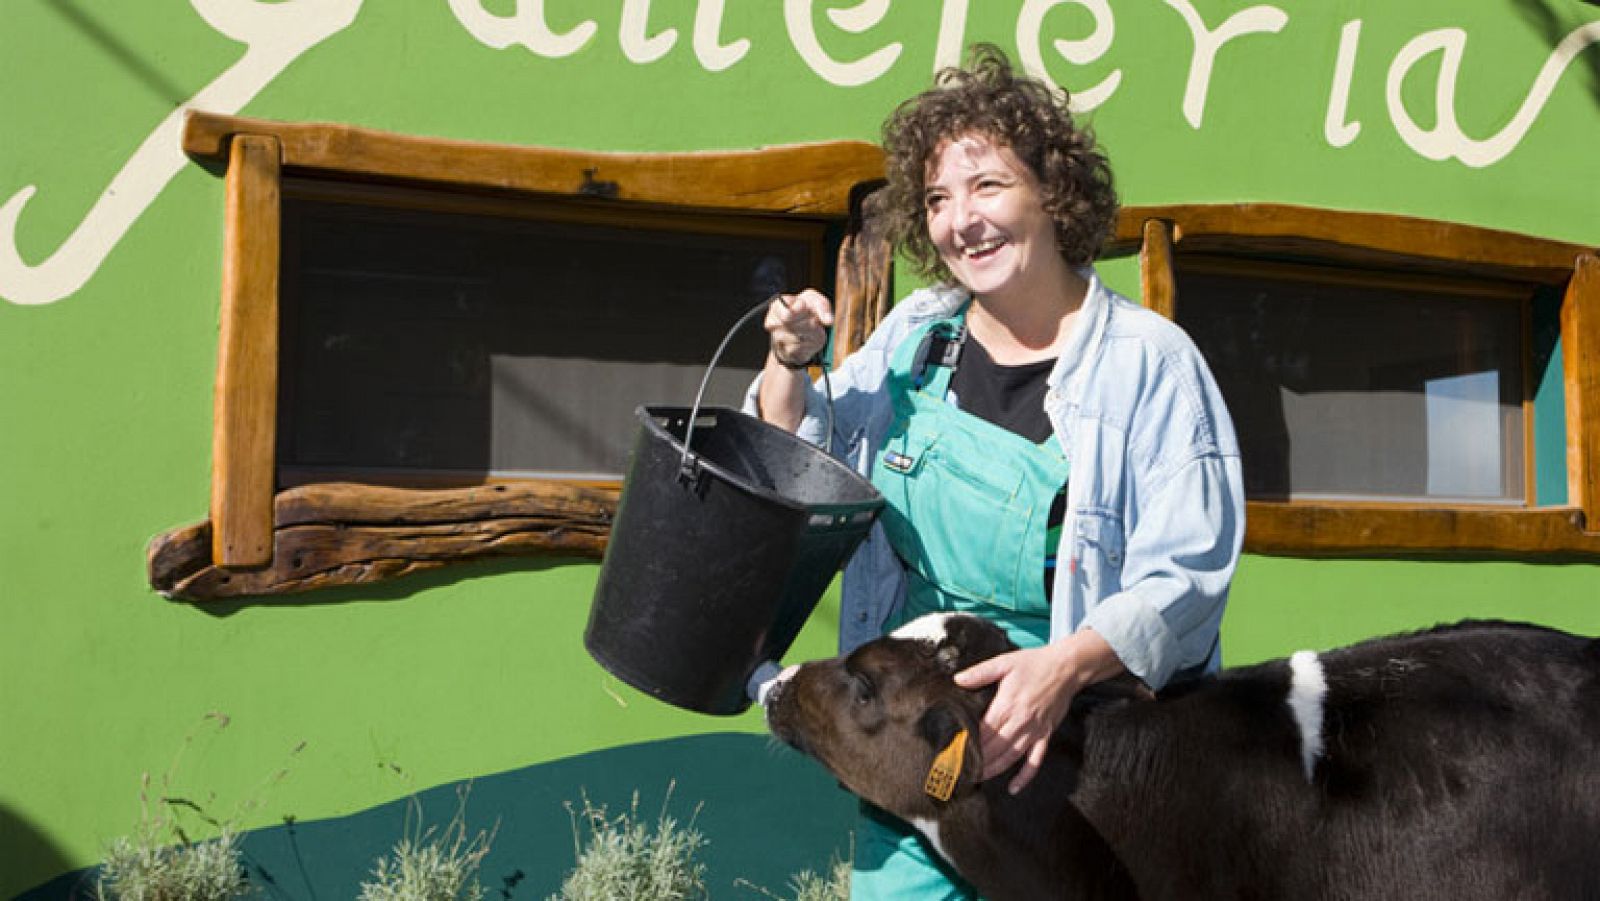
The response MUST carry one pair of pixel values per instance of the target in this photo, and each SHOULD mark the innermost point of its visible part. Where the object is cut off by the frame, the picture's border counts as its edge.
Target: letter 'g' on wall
(274, 35)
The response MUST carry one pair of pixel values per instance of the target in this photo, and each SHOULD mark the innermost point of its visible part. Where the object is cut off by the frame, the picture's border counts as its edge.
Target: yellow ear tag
(946, 769)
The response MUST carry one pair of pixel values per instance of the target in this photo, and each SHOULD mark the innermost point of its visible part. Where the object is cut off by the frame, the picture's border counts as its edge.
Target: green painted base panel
(766, 813)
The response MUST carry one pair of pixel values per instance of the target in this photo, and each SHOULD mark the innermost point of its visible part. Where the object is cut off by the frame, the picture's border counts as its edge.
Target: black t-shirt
(1011, 397)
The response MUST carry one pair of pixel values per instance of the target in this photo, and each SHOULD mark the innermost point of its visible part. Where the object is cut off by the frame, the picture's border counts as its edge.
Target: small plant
(161, 861)
(626, 859)
(434, 865)
(835, 886)
(807, 885)
(141, 869)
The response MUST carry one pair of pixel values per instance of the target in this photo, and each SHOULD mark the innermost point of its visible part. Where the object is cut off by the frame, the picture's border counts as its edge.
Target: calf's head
(879, 717)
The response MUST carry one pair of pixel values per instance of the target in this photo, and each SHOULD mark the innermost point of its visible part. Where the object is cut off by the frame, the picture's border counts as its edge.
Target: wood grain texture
(245, 399)
(1580, 352)
(863, 283)
(345, 534)
(1372, 531)
(1373, 239)
(1156, 279)
(796, 179)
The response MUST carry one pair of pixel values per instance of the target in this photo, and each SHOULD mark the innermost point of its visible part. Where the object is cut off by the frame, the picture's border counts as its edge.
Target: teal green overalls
(967, 510)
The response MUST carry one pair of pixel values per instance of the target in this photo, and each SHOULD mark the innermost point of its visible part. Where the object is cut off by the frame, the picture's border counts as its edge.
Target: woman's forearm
(782, 395)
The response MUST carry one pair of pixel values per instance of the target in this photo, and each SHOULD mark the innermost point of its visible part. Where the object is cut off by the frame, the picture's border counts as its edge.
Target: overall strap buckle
(941, 346)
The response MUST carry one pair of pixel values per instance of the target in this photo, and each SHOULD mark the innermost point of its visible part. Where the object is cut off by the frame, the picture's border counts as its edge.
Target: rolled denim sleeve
(1178, 561)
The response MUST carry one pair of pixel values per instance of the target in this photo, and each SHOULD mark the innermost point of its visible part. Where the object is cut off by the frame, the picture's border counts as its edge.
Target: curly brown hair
(987, 98)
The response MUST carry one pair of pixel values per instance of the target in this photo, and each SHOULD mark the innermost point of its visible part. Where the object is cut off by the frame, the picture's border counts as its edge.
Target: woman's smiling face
(986, 217)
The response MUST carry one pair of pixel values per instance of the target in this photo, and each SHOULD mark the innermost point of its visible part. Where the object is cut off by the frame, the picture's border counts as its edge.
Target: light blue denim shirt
(1155, 503)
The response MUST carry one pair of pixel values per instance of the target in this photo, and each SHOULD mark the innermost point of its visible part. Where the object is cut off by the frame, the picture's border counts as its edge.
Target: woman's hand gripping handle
(797, 329)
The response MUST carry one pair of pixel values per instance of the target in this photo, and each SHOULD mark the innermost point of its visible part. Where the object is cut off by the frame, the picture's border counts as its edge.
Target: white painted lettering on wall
(799, 16)
(1336, 127)
(714, 55)
(1207, 42)
(1030, 27)
(952, 34)
(1446, 139)
(637, 45)
(526, 27)
(274, 35)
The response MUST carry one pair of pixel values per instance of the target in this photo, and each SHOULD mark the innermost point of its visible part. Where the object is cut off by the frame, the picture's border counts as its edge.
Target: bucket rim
(648, 413)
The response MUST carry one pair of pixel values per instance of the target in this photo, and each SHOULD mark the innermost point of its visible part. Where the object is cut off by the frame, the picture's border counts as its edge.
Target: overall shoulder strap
(929, 355)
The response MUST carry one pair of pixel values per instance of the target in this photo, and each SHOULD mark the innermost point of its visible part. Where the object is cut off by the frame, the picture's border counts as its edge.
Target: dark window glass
(1364, 385)
(448, 339)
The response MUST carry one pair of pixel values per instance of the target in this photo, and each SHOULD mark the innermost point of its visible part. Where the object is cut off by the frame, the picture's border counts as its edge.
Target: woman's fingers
(1030, 768)
(798, 325)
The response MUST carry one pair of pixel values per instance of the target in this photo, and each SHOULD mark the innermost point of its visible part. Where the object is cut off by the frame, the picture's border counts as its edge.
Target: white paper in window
(1464, 435)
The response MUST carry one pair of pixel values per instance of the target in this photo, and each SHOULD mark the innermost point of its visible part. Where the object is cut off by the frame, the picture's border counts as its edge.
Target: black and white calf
(1459, 763)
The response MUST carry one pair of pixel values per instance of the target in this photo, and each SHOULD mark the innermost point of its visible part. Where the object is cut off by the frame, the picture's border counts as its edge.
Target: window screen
(424, 343)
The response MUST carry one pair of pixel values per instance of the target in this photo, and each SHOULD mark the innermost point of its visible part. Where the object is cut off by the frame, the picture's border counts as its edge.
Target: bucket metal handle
(686, 465)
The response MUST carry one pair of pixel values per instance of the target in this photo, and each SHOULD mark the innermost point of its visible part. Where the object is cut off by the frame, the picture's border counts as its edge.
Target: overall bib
(967, 511)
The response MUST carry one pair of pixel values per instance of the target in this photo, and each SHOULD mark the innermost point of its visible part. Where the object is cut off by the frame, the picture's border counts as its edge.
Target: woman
(1016, 414)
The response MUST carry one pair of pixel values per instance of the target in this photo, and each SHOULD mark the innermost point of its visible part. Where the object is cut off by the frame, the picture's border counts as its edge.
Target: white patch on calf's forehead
(1308, 693)
(928, 627)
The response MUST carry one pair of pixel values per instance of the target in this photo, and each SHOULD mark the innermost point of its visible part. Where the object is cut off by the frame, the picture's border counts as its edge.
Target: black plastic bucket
(718, 556)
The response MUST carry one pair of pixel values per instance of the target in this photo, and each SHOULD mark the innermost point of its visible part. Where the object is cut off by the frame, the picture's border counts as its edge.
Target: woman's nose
(963, 212)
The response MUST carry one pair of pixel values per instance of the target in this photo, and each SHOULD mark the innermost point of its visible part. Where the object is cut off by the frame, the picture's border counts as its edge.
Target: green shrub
(835, 886)
(160, 860)
(807, 885)
(622, 858)
(431, 865)
(141, 869)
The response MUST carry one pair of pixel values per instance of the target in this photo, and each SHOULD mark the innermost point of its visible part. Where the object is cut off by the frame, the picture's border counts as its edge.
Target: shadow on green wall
(1553, 22)
(22, 843)
(766, 812)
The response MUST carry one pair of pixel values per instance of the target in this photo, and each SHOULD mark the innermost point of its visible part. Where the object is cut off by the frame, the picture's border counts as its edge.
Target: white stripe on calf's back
(1308, 690)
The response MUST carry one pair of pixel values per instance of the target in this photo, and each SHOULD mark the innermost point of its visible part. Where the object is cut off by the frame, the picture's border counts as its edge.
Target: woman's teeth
(983, 247)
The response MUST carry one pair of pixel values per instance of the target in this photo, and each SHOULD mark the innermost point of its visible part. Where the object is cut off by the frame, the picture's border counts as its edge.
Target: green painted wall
(105, 388)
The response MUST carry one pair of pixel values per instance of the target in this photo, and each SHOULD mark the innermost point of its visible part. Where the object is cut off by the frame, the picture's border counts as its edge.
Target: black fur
(1461, 763)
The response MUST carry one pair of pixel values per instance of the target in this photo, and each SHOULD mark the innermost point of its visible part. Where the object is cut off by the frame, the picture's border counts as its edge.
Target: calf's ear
(969, 640)
(942, 726)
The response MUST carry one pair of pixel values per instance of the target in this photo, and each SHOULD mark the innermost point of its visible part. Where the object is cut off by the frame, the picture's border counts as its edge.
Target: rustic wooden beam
(1580, 353)
(1156, 279)
(245, 400)
(1302, 529)
(812, 179)
(863, 284)
(1376, 239)
(344, 534)
(334, 502)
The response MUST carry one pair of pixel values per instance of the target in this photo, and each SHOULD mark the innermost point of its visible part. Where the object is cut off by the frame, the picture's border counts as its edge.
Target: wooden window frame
(262, 541)
(1162, 234)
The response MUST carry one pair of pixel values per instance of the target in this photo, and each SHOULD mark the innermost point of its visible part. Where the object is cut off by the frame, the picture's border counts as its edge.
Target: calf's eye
(865, 691)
